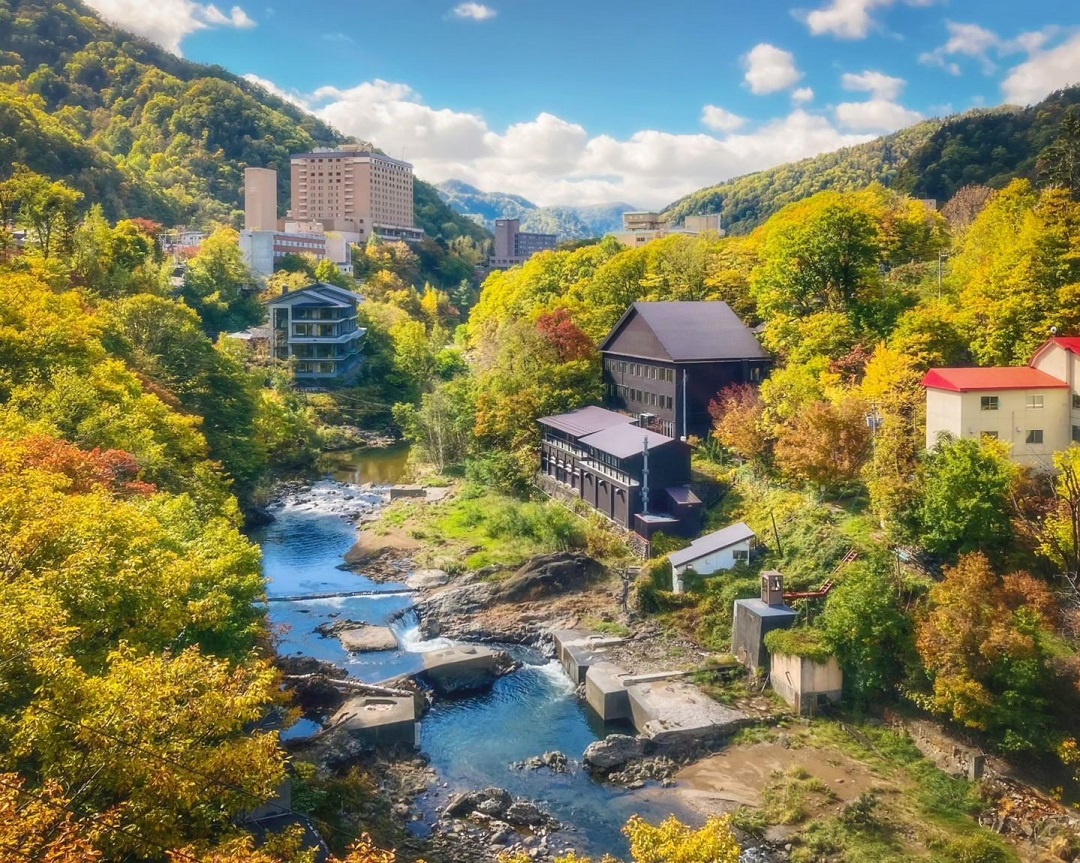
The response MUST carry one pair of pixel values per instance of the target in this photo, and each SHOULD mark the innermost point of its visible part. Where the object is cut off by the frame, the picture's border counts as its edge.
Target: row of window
(647, 399)
(1034, 402)
(1033, 436)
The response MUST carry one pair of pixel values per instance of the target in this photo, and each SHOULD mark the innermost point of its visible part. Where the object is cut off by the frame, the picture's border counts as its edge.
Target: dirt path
(737, 776)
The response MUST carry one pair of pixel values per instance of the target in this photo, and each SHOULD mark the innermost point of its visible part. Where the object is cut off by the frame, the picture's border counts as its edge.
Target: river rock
(554, 761)
(613, 753)
(363, 639)
(500, 809)
(425, 579)
(548, 575)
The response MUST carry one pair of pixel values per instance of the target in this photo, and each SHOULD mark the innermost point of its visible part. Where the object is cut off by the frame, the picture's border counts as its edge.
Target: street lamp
(874, 421)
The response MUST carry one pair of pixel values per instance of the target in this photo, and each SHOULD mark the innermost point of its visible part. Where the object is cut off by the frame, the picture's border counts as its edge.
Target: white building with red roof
(1034, 408)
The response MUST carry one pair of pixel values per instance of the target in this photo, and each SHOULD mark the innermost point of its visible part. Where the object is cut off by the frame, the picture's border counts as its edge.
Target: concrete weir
(456, 670)
(378, 721)
(606, 692)
(578, 650)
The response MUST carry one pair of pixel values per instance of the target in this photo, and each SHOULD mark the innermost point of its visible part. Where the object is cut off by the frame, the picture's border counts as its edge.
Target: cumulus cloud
(875, 115)
(1044, 72)
(802, 95)
(720, 119)
(168, 22)
(770, 69)
(473, 11)
(975, 42)
(850, 19)
(881, 86)
(552, 161)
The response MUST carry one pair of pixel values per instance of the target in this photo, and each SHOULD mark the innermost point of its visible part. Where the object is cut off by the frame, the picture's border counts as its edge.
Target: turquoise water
(471, 741)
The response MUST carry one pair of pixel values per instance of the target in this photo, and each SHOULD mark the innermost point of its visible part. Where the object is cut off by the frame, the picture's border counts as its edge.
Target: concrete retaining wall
(806, 684)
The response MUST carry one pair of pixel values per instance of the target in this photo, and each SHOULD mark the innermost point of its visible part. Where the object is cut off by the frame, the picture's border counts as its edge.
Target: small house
(709, 554)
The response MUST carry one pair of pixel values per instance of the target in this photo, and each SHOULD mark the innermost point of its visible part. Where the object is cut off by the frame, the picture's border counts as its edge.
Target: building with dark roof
(1035, 409)
(317, 327)
(636, 477)
(668, 361)
(719, 550)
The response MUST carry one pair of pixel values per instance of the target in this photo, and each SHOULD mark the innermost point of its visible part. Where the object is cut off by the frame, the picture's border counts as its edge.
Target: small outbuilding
(709, 554)
(753, 619)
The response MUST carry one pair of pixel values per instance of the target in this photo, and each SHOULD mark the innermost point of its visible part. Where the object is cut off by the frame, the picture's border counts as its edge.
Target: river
(471, 741)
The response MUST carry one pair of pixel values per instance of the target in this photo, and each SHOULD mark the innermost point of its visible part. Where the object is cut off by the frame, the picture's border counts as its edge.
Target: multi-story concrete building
(514, 246)
(644, 227)
(636, 477)
(667, 361)
(262, 249)
(1034, 408)
(317, 326)
(354, 190)
(260, 199)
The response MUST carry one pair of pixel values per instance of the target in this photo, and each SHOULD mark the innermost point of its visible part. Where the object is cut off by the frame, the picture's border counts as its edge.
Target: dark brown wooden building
(601, 456)
(669, 360)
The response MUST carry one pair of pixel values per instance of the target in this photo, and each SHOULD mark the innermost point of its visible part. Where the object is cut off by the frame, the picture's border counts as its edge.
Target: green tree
(218, 285)
(45, 208)
(963, 499)
(1059, 163)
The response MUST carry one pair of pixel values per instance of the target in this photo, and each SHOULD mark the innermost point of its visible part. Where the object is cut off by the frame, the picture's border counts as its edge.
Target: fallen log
(353, 685)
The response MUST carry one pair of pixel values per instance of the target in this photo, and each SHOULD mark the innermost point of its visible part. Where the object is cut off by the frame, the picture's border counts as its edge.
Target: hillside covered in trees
(933, 159)
(145, 133)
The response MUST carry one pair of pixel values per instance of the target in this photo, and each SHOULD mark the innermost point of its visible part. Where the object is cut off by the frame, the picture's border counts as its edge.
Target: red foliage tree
(565, 336)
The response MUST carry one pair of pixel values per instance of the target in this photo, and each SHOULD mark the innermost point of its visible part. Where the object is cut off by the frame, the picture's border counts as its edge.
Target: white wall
(257, 249)
(708, 564)
(961, 415)
(799, 681)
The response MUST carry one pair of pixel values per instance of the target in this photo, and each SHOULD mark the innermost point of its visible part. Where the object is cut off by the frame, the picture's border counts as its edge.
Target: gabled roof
(320, 291)
(1069, 343)
(723, 538)
(623, 441)
(585, 420)
(691, 332)
(1008, 378)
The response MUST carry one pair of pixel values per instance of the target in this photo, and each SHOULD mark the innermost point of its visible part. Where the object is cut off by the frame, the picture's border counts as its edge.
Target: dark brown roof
(585, 420)
(689, 332)
(623, 441)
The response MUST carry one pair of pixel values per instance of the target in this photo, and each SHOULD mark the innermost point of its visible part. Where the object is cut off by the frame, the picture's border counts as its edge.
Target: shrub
(980, 848)
(802, 642)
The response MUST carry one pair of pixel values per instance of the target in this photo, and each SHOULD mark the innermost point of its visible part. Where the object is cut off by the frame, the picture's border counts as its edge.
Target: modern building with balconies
(316, 326)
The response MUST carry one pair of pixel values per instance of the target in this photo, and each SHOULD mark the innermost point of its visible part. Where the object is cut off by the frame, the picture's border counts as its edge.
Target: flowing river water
(471, 742)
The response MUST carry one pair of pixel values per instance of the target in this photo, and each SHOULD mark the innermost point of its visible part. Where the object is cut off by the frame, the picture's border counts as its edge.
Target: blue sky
(583, 102)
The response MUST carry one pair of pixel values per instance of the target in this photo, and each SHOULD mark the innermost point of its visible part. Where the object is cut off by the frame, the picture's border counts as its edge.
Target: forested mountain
(143, 132)
(569, 223)
(933, 159)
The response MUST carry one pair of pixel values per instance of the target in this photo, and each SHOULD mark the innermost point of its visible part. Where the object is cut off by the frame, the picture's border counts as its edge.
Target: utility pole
(940, 263)
(645, 475)
(685, 429)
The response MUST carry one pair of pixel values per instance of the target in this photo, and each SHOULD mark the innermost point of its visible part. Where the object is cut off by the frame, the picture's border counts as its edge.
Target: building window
(989, 403)
(1076, 434)
(1076, 401)
(740, 555)
(755, 374)
(1034, 402)
(669, 402)
(1034, 436)
(988, 435)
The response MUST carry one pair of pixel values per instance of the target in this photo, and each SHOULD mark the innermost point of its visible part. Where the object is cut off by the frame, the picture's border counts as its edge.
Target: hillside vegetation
(145, 133)
(933, 159)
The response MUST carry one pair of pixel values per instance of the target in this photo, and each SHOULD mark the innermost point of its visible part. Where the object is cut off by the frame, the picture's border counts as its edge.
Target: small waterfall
(406, 629)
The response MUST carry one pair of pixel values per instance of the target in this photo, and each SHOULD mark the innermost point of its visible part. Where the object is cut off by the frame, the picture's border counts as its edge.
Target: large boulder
(548, 575)
(425, 579)
(363, 639)
(614, 752)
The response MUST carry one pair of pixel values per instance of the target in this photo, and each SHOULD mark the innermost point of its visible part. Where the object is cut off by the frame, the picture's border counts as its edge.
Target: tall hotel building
(354, 190)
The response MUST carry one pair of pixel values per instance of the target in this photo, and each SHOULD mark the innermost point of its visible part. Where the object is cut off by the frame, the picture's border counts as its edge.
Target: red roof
(1008, 378)
(1069, 343)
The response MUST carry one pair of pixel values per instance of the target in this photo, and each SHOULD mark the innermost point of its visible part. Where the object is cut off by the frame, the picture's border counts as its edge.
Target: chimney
(772, 588)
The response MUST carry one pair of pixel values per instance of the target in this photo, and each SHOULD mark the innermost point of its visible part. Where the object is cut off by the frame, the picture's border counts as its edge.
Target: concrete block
(577, 650)
(397, 492)
(676, 712)
(606, 693)
(377, 720)
(457, 670)
(579, 659)
(562, 637)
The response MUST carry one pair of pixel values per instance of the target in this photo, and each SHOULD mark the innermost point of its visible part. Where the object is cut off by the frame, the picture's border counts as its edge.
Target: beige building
(1035, 408)
(355, 191)
(260, 199)
(640, 228)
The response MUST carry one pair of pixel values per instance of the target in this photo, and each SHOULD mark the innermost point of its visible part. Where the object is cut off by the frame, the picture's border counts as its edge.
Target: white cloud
(875, 115)
(720, 119)
(552, 161)
(474, 11)
(881, 86)
(770, 69)
(802, 95)
(975, 42)
(167, 22)
(850, 19)
(1044, 72)
(274, 89)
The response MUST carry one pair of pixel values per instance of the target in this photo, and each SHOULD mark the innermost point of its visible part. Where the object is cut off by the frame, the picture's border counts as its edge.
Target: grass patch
(789, 796)
(606, 627)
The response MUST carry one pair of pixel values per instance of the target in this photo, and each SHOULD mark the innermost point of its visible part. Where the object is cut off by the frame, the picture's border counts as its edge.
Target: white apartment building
(1035, 408)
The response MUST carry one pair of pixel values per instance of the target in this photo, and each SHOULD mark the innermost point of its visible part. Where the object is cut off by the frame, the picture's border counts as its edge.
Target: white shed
(711, 553)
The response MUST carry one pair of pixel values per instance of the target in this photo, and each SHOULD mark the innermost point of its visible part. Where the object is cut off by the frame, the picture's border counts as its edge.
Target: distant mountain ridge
(932, 159)
(568, 222)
